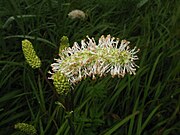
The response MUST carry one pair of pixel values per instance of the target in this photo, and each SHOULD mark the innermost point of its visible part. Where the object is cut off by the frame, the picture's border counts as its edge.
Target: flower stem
(50, 85)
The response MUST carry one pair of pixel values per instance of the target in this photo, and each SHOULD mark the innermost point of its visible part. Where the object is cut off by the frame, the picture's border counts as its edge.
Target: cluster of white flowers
(92, 60)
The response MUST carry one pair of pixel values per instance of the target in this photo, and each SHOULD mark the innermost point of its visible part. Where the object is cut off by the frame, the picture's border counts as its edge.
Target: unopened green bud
(30, 54)
(64, 43)
(61, 83)
(26, 128)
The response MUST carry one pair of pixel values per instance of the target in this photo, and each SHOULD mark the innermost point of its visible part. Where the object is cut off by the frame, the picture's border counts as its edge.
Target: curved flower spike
(30, 54)
(92, 59)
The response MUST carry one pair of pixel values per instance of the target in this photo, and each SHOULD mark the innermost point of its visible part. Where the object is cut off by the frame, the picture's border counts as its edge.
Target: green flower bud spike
(30, 54)
(61, 83)
(64, 43)
(26, 128)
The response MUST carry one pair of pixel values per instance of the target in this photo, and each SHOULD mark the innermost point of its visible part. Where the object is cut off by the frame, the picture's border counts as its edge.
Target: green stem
(48, 82)
(71, 108)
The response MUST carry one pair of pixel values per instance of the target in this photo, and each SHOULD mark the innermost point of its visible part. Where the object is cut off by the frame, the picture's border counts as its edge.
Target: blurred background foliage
(145, 104)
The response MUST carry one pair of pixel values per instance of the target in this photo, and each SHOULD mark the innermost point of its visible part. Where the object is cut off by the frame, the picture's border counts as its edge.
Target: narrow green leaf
(149, 117)
(118, 125)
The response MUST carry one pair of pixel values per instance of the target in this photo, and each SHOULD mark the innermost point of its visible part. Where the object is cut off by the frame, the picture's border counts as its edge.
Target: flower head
(64, 43)
(61, 83)
(30, 55)
(91, 59)
(26, 128)
(77, 14)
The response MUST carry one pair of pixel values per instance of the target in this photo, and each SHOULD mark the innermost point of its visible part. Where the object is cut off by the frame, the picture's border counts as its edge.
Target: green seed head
(26, 128)
(64, 43)
(30, 54)
(61, 83)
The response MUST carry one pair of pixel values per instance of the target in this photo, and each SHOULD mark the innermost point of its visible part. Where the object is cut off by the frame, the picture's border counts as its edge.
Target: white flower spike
(92, 60)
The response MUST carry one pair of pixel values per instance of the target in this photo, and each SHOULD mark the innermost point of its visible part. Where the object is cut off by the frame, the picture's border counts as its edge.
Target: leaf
(119, 124)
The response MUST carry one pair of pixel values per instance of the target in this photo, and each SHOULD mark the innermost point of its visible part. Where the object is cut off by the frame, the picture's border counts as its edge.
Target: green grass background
(145, 104)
